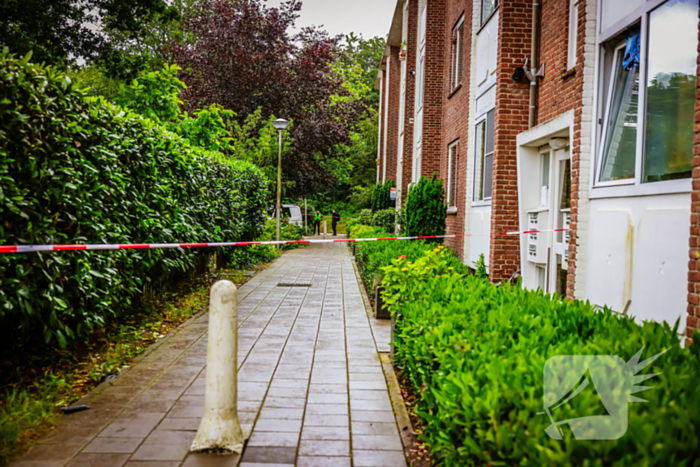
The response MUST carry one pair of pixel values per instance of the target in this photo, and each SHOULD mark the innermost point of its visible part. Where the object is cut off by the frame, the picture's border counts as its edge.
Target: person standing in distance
(336, 220)
(317, 223)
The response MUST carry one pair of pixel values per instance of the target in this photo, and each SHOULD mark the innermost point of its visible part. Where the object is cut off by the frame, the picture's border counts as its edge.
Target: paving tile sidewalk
(311, 391)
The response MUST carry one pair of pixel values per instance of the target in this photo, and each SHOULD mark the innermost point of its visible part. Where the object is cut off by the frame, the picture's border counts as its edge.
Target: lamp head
(280, 123)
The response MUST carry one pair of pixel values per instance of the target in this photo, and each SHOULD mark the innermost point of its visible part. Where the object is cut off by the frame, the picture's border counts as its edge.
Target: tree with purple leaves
(242, 55)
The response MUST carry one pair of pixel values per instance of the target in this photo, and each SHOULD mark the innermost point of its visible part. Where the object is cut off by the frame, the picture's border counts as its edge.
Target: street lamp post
(280, 124)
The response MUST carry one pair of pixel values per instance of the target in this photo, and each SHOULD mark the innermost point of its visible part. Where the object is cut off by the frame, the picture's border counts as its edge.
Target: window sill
(568, 73)
(643, 189)
(477, 204)
(451, 211)
(454, 91)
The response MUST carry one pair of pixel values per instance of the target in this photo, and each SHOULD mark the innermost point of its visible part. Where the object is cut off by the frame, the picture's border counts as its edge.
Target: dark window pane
(490, 131)
(488, 175)
(619, 152)
(479, 162)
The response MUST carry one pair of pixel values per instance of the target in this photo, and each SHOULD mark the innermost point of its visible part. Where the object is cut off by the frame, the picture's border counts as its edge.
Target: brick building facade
(591, 168)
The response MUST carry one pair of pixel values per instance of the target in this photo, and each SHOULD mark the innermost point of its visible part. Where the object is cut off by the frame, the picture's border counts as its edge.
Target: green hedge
(425, 211)
(475, 353)
(79, 170)
(381, 196)
(372, 256)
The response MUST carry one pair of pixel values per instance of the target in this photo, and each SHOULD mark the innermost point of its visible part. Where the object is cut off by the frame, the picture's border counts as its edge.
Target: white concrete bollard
(220, 431)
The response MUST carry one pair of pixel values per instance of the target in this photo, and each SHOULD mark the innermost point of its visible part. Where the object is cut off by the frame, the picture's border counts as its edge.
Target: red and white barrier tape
(152, 246)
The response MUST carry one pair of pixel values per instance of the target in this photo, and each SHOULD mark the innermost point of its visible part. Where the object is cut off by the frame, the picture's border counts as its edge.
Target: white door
(559, 203)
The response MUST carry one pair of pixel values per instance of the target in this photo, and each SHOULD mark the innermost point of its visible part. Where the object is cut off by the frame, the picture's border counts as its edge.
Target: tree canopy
(64, 32)
(242, 55)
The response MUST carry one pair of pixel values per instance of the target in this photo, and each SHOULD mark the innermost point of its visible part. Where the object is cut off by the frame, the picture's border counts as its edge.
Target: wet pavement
(312, 391)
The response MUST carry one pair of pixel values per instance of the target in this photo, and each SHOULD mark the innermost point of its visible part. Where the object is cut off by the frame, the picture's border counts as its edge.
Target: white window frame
(420, 97)
(620, 48)
(633, 186)
(457, 74)
(483, 20)
(452, 153)
(485, 200)
(573, 34)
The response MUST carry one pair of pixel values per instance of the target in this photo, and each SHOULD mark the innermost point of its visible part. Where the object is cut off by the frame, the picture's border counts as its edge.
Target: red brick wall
(409, 109)
(393, 101)
(456, 115)
(512, 101)
(434, 86)
(559, 90)
(693, 321)
(574, 82)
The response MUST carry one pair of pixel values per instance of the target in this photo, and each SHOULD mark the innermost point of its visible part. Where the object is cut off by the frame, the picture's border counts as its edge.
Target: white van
(291, 212)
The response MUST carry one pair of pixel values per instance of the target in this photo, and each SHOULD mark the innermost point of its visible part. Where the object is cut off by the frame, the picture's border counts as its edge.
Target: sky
(367, 17)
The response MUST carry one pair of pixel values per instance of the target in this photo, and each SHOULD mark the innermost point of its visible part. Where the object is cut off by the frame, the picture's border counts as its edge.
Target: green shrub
(372, 256)
(363, 218)
(248, 256)
(385, 220)
(425, 210)
(77, 170)
(475, 353)
(361, 197)
(287, 232)
(381, 196)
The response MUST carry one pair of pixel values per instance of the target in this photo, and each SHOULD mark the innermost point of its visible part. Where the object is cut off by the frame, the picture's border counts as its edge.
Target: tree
(367, 55)
(61, 32)
(241, 55)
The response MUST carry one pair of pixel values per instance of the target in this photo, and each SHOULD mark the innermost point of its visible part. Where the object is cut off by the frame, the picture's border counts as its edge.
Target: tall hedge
(425, 210)
(475, 354)
(381, 196)
(79, 170)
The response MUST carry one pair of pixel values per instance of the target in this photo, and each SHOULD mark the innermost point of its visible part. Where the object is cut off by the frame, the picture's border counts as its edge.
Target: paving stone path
(312, 391)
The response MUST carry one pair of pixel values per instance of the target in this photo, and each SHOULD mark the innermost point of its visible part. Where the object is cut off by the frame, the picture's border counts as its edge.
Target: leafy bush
(475, 353)
(74, 170)
(365, 217)
(425, 210)
(372, 256)
(287, 232)
(245, 257)
(361, 197)
(381, 196)
(385, 220)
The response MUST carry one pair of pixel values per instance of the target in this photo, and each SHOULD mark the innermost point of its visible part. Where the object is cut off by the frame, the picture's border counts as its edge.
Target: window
(457, 35)
(453, 168)
(487, 9)
(670, 98)
(620, 147)
(573, 33)
(544, 179)
(649, 76)
(483, 160)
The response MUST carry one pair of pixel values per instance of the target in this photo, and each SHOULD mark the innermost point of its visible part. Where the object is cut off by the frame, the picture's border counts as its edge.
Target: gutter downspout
(534, 63)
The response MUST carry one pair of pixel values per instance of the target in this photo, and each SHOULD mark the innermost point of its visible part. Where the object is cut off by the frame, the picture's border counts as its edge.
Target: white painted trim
(380, 123)
(468, 160)
(387, 93)
(587, 143)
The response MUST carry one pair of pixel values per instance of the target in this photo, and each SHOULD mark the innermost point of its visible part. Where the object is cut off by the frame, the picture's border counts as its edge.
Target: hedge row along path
(312, 389)
(150, 246)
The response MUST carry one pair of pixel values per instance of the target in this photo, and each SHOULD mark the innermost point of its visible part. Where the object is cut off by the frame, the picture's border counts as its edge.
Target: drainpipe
(534, 71)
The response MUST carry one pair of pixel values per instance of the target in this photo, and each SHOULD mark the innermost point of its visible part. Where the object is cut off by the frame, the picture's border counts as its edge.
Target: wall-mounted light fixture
(558, 143)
